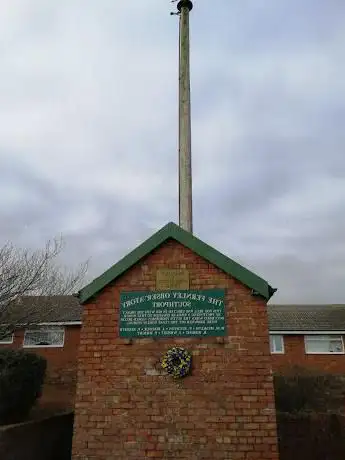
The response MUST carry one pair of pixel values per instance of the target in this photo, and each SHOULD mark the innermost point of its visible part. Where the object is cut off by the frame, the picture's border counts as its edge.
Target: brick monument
(174, 291)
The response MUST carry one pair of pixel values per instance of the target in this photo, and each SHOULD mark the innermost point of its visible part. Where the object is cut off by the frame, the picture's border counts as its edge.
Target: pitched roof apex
(187, 239)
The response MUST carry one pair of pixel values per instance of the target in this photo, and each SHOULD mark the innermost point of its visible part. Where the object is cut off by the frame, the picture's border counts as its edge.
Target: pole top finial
(185, 4)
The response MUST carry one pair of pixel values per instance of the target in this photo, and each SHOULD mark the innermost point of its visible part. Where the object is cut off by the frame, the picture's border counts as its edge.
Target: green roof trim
(173, 231)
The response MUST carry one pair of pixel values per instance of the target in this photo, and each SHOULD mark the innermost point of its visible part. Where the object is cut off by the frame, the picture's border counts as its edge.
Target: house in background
(53, 332)
(307, 336)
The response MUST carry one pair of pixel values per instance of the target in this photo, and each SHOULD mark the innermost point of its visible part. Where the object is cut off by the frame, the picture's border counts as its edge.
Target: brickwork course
(126, 407)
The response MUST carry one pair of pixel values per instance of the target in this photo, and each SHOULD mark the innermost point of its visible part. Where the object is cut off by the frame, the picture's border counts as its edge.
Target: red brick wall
(295, 356)
(61, 361)
(125, 408)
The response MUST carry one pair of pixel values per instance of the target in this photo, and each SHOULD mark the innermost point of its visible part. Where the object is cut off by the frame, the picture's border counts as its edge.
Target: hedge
(21, 379)
(311, 392)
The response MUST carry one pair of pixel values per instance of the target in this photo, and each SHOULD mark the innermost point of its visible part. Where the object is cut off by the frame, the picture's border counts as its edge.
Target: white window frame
(45, 329)
(7, 341)
(329, 337)
(273, 350)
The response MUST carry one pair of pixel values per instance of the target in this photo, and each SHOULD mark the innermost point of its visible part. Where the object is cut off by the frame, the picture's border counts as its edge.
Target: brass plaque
(170, 278)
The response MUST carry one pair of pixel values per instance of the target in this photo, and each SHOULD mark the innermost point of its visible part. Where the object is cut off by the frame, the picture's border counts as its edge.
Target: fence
(46, 439)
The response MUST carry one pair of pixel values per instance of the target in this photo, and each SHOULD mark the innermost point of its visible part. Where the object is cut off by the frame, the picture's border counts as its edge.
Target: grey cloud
(88, 132)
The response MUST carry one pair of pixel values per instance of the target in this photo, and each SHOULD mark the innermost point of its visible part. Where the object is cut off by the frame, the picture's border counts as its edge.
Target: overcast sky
(88, 132)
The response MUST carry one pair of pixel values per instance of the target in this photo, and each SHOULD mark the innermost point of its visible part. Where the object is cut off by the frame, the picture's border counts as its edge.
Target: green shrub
(292, 393)
(21, 379)
(309, 391)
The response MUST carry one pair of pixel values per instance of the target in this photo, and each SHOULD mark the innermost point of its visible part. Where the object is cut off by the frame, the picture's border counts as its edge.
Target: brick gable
(125, 406)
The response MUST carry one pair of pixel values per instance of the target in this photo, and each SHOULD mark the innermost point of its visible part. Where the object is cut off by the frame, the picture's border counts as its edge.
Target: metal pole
(185, 150)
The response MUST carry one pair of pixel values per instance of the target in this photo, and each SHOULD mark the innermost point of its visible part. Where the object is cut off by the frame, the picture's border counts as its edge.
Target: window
(44, 337)
(324, 344)
(7, 339)
(277, 343)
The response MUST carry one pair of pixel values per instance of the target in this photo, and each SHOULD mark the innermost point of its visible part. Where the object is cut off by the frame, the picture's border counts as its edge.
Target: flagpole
(185, 151)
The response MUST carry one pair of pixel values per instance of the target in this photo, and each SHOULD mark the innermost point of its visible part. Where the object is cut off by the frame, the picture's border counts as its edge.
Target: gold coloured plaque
(170, 278)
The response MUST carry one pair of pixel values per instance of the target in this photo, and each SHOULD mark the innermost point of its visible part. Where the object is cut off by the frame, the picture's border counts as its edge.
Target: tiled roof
(43, 309)
(306, 317)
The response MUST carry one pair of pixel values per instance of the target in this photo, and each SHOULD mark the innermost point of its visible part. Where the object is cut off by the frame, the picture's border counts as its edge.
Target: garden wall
(47, 439)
